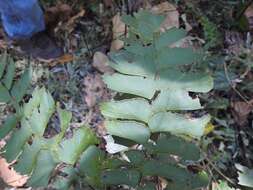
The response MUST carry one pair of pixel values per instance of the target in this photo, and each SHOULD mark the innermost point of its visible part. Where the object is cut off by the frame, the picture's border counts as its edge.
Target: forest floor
(87, 29)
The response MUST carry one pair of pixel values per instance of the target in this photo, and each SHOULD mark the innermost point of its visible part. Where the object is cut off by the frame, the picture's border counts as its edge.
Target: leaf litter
(86, 79)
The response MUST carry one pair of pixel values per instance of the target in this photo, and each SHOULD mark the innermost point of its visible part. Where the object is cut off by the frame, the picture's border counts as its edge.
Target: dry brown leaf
(100, 62)
(172, 15)
(70, 24)
(95, 90)
(241, 111)
(101, 130)
(249, 16)
(118, 29)
(163, 8)
(10, 176)
(66, 58)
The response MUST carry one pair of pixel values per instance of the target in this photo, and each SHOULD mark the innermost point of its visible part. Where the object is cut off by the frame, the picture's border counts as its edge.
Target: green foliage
(211, 32)
(222, 185)
(153, 75)
(155, 160)
(151, 72)
(36, 155)
(12, 91)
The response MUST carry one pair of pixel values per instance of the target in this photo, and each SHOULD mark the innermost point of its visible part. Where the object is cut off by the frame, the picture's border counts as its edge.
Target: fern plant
(37, 156)
(154, 75)
(154, 160)
(12, 91)
(153, 79)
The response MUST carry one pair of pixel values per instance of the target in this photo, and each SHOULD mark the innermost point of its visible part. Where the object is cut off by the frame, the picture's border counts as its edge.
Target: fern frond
(37, 156)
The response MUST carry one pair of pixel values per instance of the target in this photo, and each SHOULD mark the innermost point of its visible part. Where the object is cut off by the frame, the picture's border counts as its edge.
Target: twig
(229, 81)
(217, 170)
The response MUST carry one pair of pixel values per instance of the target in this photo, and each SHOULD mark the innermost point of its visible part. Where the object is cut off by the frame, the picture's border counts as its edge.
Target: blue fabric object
(21, 18)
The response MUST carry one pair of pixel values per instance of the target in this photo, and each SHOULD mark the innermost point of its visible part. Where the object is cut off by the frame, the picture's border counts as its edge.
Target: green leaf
(221, 81)
(16, 143)
(141, 110)
(136, 157)
(146, 87)
(61, 183)
(128, 129)
(44, 166)
(20, 87)
(71, 149)
(180, 177)
(3, 62)
(91, 165)
(222, 185)
(64, 183)
(41, 115)
(8, 125)
(65, 118)
(34, 102)
(169, 37)
(114, 163)
(144, 24)
(135, 109)
(4, 94)
(178, 124)
(121, 177)
(177, 146)
(27, 160)
(155, 168)
(171, 57)
(10, 73)
(245, 175)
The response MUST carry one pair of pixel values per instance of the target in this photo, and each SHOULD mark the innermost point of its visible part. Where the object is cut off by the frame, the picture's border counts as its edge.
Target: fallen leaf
(69, 25)
(95, 90)
(100, 129)
(100, 62)
(10, 176)
(249, 16)
(172, 15)
(241, 111)
(72, 21)
(66, 58)
(112, 147)
(118, 29)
